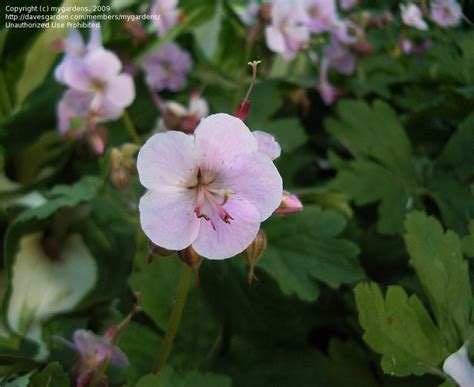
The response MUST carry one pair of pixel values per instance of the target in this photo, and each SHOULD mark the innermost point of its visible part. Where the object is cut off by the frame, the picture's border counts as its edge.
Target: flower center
(97, 85)
(210, 200)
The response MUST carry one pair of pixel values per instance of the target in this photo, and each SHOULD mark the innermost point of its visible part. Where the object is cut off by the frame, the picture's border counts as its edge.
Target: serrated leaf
(459, 151)
(346, 365)
(52, 375)
(468, 241)
(304, 247)
(288, 132)
(400, 329)
(443, 272)
(169, 378)
(207, 34)
(383, 170)
(63, 196)
(372, 131)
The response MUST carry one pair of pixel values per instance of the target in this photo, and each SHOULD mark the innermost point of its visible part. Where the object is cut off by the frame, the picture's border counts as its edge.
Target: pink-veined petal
(167, 217)
(118, 358)
(76, 75)
(275, 40)
(121, 91)
(267, 144)
(219, 138)
(102, 64)
(74, 44)
(166, 159)
(229, 239)
(255, 178)
(95, 39)
(85, 341)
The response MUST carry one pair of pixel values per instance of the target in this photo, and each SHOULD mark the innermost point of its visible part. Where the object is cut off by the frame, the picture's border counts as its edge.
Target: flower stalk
(175, 318)
(132, 131)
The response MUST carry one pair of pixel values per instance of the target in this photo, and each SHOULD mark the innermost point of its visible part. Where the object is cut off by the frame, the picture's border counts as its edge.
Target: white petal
(220, 138)
(168, 219)
(229, 239)
(458, 366)
(166, 159)
(41, 288)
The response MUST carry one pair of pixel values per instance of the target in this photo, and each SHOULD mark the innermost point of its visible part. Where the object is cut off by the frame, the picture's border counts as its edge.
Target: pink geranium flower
(346, 32)
(413, 17)
(249, 14)
(74, 48)
(320, 15)
(167, 68)
(446, 13)
(94, 351)
(340, 56)
(287, 34)
(348, 4)
(75, 106)
(210, 190)
(168, 13)
(99, 73)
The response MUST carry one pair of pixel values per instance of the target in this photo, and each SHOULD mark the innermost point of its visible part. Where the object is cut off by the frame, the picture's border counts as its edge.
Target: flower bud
(122, 163)
(97, 138)
(290, 204)
(157, 251)
(254, 252)
(363, 47)
(191, 259)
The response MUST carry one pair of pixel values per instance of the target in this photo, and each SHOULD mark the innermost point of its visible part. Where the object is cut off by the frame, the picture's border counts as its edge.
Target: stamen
(254, 65)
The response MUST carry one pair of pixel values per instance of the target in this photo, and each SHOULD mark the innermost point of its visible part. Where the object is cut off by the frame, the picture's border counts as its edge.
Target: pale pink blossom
(446, 13)
(94, 351)
(412, 16)
(321, 15)
(210, 190)
(168, 13)
(410, 48)
(74, 48)
(340, 57)
(167, 68)
(99, 73)
(75, 113)
(267, 144)
(348, 4)
(290, 204)
(346, 32)
(287, 34)
(250, 13)
(327, 91)
(406, 46)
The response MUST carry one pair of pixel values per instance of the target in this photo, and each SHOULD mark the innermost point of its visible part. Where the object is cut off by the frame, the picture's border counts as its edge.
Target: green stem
(131, 128)
(175, 318)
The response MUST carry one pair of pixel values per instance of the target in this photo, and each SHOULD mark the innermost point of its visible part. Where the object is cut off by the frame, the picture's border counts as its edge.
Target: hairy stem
(175, 318)
(132, 131)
